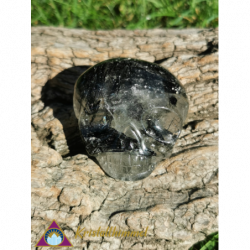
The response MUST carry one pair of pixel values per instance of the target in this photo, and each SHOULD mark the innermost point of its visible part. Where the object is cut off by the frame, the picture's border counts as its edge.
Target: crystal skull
(130, 113)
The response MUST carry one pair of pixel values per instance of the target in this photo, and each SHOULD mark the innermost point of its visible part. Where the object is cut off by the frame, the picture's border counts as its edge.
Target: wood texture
(178, 202)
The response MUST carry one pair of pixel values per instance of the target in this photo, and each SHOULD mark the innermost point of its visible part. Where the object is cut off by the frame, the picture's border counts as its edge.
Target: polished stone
(130, 115)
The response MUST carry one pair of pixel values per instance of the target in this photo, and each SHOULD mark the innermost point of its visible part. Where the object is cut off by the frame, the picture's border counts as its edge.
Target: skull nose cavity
(143, 149)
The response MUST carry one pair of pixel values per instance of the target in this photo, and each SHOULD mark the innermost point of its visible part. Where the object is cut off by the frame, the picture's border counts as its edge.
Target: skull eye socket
(162, 124)
(154, 130)
(135, 110)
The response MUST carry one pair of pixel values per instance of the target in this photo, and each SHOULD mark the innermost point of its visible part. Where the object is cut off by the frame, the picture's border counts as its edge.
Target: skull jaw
(127, 166)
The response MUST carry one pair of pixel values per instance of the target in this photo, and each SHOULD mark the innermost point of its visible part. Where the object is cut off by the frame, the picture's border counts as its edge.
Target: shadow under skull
(130, 114)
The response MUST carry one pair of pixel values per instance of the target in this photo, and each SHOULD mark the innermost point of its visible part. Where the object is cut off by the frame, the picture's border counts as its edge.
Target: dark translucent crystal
(130, 115)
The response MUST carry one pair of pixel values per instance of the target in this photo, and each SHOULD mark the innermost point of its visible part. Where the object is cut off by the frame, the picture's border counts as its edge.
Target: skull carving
(130, 114)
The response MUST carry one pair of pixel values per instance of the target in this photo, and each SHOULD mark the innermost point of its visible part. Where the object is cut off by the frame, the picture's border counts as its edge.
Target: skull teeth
(125, 165)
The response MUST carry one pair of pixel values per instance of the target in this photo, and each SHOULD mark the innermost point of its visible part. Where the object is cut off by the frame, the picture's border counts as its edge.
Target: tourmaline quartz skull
(130, 114)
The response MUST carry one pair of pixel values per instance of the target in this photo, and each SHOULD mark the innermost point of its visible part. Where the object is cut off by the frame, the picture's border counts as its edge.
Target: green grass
(210, 243)
(127, 14)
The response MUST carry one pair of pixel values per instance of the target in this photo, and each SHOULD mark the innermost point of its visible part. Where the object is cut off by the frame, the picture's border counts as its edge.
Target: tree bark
(178, 202)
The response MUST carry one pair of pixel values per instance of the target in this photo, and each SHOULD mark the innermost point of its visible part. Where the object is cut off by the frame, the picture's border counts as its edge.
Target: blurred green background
(127, 14)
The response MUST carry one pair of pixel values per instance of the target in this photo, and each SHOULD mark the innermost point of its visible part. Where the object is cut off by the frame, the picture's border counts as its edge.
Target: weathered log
(178, 202)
